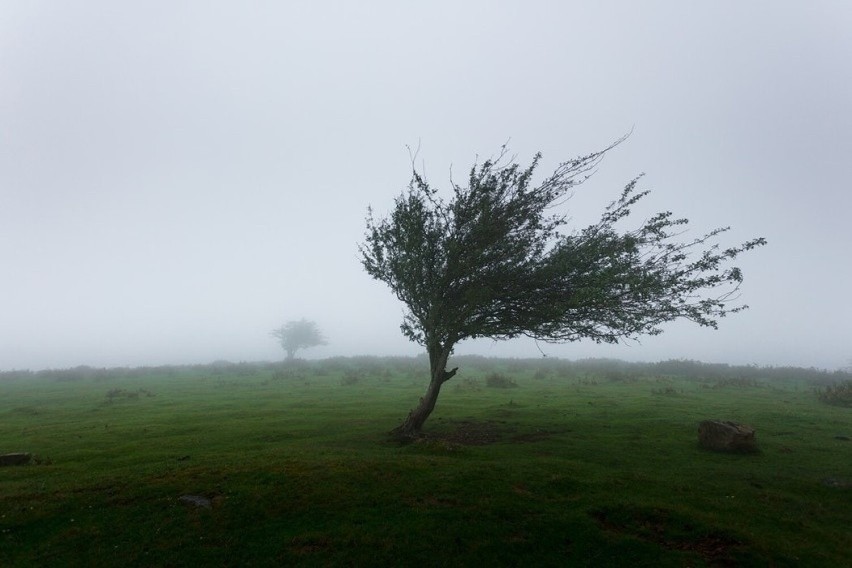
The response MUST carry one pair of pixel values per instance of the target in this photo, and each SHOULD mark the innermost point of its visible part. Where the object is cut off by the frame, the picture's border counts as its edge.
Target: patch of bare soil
(663, 528)
(471, 432)
(483, 432)
(537, 435)
(475, 432)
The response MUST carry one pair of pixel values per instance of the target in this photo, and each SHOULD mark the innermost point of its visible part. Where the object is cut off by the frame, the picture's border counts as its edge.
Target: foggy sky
(179, 178)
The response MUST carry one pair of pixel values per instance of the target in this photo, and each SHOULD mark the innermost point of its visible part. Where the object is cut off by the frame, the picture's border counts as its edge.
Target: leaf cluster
(493, 261)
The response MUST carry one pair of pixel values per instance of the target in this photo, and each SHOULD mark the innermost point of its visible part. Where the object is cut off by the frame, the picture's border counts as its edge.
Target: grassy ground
(566, 468)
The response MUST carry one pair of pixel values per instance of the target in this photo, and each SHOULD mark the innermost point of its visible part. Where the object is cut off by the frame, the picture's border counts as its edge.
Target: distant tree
(295, 335)
(492, 262)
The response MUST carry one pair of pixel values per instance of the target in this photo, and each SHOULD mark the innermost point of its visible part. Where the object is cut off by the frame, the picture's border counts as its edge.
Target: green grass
(581, 468)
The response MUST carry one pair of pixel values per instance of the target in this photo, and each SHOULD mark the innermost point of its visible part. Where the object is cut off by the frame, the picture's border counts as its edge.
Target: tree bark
(413, 424)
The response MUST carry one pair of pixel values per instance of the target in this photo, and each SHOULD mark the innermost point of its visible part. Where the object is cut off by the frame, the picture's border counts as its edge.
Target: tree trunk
(413, 424)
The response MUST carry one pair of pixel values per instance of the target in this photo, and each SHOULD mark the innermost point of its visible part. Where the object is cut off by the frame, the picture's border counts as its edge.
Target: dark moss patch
(470, 432)
(672, 531)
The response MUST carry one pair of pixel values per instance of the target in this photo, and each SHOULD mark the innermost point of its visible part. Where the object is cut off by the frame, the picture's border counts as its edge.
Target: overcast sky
(179, 178)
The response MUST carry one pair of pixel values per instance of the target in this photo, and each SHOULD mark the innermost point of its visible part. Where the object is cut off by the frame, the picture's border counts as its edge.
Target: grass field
(594, 465)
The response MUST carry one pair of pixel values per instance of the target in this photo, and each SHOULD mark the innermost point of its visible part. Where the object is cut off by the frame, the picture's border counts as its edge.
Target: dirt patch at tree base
(470, 432)
(473, 432)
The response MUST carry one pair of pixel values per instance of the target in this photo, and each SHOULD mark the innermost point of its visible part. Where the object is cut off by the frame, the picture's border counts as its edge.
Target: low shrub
(541, 374)
(351, 377)
(734, 382)
(839, 394)
(114, 394)
(620, 376)
(498, 381)
(289, 374)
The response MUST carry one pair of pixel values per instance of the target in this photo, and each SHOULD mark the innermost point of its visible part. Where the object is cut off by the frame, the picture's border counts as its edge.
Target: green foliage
(499, 381)
(117, 394)
(300, 334)
(493, 262)
(351, 377)
(666, 390)
(735, 382)
(611, 369)
(839, 394)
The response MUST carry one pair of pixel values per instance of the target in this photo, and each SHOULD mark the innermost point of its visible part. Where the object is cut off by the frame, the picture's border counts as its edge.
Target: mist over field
(179, 179)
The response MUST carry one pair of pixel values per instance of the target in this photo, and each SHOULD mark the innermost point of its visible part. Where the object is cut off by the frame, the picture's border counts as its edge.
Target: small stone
(726, 436)
(15, 459)
(197, 500)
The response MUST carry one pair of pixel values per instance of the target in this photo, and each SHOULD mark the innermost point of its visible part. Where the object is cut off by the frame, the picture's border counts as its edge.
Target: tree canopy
(298, 334)
(493, 261)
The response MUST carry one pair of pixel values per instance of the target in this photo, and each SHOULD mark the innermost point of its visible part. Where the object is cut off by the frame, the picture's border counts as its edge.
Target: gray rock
(15, 459)
(726, 436)
(197, 500)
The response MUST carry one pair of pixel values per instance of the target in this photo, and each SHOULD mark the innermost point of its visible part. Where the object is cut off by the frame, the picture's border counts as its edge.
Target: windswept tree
(295, 335)
(493, 261)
